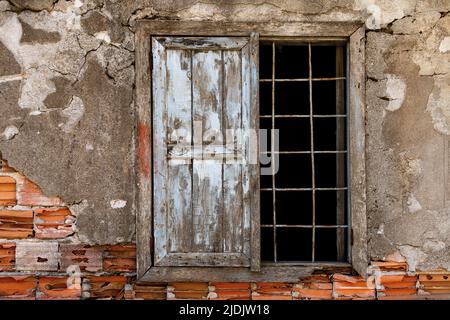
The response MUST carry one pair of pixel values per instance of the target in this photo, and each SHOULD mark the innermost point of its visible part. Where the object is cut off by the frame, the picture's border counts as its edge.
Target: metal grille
(304, 205)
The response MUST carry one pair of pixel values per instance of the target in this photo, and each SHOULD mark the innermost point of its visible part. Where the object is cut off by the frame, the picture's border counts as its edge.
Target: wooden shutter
(206, 190)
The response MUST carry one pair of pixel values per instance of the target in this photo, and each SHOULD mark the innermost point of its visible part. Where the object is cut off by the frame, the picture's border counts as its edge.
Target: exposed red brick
(189, 286)
(188, 290)
(56, 288)
(435, 284)
(16, 224)
(7, 191)
(394, 280)
(120, 258)
(256, 296)
(53, 223)
(354, 293)
(345, 286)
(398, 291)
(37, 256)
(29, 194)
(87, 258)
(20, 287)
(5, 168)
(150, 291)
(187, 295)
(272, 290)
(346, 278)
(231, 285)
(105, 287)
(390, 265)
(312, 294)
(397, 285)
(230, 291)
(232, 295)
(7, 256)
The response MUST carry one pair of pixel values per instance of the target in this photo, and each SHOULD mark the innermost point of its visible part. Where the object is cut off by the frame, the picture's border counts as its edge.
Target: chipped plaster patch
(118, 204)
(413, 204)
(433, 245)
(103, 36)
(439, 105)
(44, 61)
(89, 146)
(78, 4)
(74, 112)
(445, 45)
(395, 92)
(10, 132)
(381, 229)
(382, 12)
(414, 256)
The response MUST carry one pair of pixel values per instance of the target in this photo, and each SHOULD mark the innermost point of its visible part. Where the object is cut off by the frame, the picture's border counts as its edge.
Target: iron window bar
(313, 226)
(302, 79)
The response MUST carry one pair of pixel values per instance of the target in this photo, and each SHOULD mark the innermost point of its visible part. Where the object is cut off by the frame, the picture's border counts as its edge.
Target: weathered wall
(67, 113)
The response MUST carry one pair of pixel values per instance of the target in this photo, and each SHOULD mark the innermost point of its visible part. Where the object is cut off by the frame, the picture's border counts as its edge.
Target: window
(206, 207)
(304, 197)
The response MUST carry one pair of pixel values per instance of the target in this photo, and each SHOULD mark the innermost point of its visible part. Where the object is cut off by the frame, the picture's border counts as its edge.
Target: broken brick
(87, 258)
(7, 191)
(352, 287)
(389, 265)
(16, 224)
(29, 194)
(257, 296)
(312, 294)
(150, 291)
(7, 256)
(57, 288)
(120, 258)
(53, 223)
(37, 256)
(104, 287)
(20, 287)
(230, 291)
(187, 290)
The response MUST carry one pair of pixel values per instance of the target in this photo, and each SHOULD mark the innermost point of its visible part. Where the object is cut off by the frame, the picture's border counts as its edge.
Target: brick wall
(42, 258)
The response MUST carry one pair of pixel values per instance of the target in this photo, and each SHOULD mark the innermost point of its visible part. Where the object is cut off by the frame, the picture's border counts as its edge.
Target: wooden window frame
(354, 34)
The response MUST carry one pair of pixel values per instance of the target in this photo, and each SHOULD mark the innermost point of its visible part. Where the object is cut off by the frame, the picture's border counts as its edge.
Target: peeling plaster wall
(66, 98)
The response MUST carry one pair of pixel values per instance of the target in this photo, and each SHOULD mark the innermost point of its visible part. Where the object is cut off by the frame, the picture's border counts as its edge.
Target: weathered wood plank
(213, 274)
(196, 43)
(233, 219)
(179, 127)
(207, 173)
(253, 165)
(194, 259)
(143, 140)
(160, 165)
(265, 29)
(357, 151)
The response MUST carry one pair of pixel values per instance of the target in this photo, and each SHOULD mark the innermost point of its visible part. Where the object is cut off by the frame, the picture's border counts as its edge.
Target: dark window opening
(304, 202)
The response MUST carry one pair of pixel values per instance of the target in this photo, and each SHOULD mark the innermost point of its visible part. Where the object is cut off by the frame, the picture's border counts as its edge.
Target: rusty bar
(340, 159)
(311, 112)
(303, 79)
(305, 116)
(305, 189)
(342, 226)
(272, 149)
(304, 152)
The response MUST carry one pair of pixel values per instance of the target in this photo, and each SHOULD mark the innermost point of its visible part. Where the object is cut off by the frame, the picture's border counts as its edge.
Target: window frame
(354, 34)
